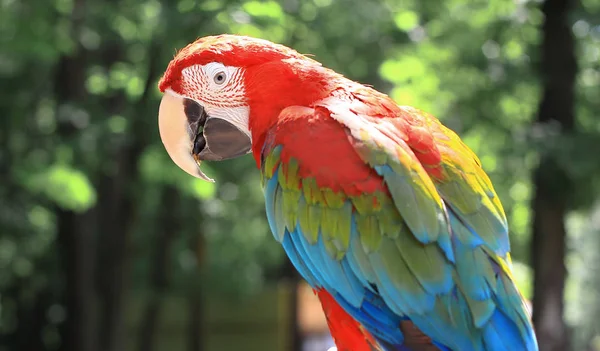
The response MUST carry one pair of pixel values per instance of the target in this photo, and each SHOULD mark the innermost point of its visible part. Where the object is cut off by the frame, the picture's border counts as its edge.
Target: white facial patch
(220, 90)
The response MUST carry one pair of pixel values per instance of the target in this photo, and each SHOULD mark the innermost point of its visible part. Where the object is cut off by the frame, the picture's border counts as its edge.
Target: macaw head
(222, 93)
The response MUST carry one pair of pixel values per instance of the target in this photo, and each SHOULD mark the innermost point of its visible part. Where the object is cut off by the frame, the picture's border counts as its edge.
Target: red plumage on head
(230, 50)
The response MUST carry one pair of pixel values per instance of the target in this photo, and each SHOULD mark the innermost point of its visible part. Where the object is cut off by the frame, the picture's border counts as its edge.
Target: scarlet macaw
(384, 211)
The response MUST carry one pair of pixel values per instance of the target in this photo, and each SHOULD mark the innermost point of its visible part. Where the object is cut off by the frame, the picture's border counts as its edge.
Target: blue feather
(333, 276)
(457, 332)
(270, 190)
(299, 248)
(396, 296)
(298, 263)
(364, 273)
(501, 334)
(381, 322)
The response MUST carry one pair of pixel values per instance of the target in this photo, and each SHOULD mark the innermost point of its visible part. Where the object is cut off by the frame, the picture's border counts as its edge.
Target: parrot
(382, 209)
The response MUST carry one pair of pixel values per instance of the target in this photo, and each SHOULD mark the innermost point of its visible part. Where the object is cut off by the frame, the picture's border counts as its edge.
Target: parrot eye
(220, 78)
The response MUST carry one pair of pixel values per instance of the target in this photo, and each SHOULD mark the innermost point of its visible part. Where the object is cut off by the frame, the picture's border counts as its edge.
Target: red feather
(348, 334)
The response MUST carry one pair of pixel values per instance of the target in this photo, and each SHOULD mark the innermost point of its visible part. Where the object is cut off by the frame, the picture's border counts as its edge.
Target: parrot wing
(392, 214)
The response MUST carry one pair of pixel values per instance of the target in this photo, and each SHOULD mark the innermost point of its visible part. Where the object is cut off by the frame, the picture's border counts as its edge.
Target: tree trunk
(32, 320)
(75, 232)
(76, 243)
(196, 336)
(160, 270)
(552, 185)
(118, 210)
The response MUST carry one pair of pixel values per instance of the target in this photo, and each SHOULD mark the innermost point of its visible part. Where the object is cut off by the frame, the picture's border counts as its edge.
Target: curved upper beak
(190, 135)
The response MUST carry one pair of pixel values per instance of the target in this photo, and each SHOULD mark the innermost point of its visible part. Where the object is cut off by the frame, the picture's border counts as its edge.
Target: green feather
(334, 199)
(271, 162)
(342, 235)
(305, 222)
(363, 204)
(470, 195)
(329, 218)
(279, 215)
(475, 271)
(291, 198)
(311, 191)
(416, 205)
(370, 235)
(291, 174)
(426, 262)
(390, 266)
(336, 229)
(362, 260)
(464, 199)
(314, 221)
(390, 222)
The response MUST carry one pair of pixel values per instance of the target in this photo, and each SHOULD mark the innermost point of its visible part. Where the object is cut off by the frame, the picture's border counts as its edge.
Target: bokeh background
(105, 245)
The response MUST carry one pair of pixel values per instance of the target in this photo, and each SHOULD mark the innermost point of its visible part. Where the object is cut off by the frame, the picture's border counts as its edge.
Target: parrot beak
(190, 135)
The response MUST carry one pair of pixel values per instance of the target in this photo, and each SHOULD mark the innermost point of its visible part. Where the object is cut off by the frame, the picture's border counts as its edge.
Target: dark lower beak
(190, 135)
(219, 140)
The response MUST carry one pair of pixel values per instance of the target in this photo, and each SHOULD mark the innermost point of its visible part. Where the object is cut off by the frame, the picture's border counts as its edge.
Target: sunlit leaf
(406, 20)
(66, 186)
(202, 189)
(263, 8)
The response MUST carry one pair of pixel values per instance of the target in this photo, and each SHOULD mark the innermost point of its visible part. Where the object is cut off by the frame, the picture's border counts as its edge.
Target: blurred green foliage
(79, 135)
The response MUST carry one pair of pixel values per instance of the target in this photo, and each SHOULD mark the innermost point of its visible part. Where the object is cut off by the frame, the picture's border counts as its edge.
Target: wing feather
(405, 226)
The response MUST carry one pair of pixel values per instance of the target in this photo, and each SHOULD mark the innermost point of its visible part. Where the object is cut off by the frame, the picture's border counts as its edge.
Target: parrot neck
(277, 85)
